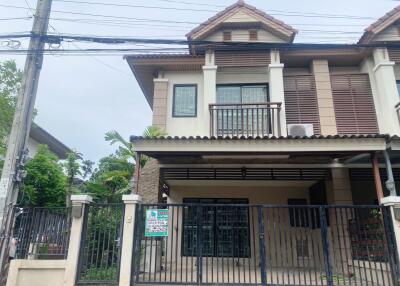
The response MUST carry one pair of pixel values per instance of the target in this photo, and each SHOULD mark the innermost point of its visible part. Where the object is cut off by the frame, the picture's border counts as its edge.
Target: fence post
(79, 205)
(131, 202)
(325, 246)
(261, 237)
(393, 205)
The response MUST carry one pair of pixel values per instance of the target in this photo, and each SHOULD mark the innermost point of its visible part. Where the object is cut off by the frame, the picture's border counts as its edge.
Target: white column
(210, 89)
(276, 89)
(394, 203)
(387, 91)
(79, 204)
(131, 202)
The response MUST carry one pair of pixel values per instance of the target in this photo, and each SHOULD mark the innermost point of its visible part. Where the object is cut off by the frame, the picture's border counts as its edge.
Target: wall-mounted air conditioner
(300, 129)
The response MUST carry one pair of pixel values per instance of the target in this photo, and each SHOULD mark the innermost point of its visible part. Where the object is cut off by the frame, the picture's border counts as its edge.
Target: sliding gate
(237, 243)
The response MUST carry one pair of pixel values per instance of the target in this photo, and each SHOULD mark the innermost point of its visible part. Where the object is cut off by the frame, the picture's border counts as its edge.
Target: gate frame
(387, 224)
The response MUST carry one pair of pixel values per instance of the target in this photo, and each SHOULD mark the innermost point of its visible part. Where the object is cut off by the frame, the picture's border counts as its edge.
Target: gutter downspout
(390, 184)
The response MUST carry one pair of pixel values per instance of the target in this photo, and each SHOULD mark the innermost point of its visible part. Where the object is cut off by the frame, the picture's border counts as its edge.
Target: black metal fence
(101, 244)
(266, 245)
(41, 233)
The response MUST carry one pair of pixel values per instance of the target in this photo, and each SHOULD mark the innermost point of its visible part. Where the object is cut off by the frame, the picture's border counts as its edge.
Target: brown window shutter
(301, 101)
(227, 36)
(354, 104)
(394, 54)
(242, 59)
(253, 35)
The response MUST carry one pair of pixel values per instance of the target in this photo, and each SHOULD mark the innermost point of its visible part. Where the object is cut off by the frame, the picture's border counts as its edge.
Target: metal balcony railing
(245, 119)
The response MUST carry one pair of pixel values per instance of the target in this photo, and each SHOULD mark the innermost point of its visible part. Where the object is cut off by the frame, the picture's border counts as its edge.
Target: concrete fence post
(394, 203)
(79, 204)
(131, 202)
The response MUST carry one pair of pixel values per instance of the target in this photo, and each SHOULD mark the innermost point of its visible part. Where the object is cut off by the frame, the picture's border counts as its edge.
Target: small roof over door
(239, 19)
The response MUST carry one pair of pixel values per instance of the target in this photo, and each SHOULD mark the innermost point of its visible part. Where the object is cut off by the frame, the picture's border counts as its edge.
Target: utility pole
(15, 154)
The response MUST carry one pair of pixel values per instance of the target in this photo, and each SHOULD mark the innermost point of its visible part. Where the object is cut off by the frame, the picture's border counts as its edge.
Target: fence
(268, 245)
(41, 233)
(101, 244)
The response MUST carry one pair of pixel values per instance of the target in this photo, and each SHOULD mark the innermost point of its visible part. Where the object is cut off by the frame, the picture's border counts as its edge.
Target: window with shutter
(354, 104)
(301, 101)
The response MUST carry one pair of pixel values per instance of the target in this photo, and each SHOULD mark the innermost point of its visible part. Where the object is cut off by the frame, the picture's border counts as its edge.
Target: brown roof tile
(240, 3)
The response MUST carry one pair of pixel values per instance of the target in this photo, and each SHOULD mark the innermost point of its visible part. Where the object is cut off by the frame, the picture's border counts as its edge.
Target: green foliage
(153, 132)
(45, 182)
(111, 179)
(10, 82)
(73, 169)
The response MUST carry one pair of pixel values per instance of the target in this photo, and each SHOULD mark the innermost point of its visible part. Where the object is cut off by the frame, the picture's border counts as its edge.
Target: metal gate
(267, 245)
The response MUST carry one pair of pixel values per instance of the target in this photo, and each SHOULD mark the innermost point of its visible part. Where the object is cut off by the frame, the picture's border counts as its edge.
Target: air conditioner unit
(300, 130)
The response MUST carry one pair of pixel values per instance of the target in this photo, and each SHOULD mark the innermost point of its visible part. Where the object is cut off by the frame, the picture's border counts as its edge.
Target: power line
(280, 12)
(332, 16)
(16, 18)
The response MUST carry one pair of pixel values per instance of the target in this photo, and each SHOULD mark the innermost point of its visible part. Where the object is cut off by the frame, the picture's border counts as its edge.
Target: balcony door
(241, 118)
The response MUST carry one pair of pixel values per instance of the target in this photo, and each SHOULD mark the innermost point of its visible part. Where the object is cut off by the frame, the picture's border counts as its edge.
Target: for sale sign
(156, 223)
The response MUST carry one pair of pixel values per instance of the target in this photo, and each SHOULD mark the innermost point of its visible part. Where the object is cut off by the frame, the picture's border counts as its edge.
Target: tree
(111, 179)
(127, 149)
(73, 169)
(45, 181)
(10, 82)
(87, 168)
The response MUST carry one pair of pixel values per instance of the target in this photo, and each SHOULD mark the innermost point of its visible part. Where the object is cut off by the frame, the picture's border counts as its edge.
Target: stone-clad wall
(149, 182)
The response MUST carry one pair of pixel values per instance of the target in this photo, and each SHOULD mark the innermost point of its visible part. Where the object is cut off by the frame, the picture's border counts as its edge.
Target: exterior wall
(186, 126)
(36, 272)
(160, 103)
(242, 75)
(243, 36)
(32, 147)
(149, 184)
(324, 95)
(390, 34)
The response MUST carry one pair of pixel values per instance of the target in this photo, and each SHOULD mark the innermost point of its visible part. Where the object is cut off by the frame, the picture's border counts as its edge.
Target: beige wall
(323, 86)
(243, 36)
(36, 273)
(186, 126)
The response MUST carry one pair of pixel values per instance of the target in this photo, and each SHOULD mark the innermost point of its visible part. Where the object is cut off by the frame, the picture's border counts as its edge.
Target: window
(225, 230)
(298, 216)
(227, 36)
(185, 101)
(236, 119)
(253, 35)
(398, 86)
(302, 248)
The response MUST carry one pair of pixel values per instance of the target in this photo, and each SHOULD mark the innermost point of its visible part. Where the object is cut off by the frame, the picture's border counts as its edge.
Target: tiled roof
(357, 136)
(241, 3)
(381, 21)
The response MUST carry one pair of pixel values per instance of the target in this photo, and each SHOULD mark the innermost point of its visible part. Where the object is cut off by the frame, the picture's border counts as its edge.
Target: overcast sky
(80, 98)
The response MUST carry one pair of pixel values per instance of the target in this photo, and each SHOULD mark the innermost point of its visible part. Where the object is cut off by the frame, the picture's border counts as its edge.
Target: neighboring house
(39, 136)
(272, 123)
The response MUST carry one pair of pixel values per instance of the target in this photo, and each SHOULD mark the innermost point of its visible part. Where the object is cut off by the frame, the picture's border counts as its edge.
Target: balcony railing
(245, 119)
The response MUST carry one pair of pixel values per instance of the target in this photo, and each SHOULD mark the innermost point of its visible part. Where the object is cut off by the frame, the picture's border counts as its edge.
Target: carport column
(210, 89)
(393, 202)
(340, 194)
(387, 92)
(276, 88)
(79, 207)
(131, 203)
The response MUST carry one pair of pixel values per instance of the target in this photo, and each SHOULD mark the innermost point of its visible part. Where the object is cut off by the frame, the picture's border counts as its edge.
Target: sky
(82, 97)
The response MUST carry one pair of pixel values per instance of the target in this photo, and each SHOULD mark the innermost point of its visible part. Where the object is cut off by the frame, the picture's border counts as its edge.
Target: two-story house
(253, 120)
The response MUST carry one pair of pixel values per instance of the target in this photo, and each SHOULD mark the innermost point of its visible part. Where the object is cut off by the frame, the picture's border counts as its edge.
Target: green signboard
(156, 223)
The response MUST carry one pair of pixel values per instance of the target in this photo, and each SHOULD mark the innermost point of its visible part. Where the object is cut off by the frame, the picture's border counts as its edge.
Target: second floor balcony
(245, 119)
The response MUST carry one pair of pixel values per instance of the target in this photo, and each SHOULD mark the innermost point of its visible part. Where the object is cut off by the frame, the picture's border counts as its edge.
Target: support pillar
(393, 202)
(79, 208)
(210, 89)
(385, 82)
(377, 177)
(131, 203)
(276, 88)
(390, 184)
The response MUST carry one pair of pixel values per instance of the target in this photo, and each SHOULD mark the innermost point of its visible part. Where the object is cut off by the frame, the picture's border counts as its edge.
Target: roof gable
(384, 29)
(243, 15)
